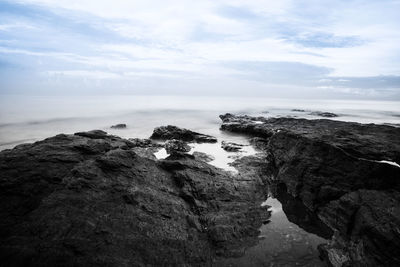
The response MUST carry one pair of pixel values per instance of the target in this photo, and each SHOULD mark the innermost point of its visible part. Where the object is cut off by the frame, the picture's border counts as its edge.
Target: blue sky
(288, 48)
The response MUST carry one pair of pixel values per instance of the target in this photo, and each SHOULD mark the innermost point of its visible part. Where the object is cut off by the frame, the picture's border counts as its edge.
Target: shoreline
(185, 200)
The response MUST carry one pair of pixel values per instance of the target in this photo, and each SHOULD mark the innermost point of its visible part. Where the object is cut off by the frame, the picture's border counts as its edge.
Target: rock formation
(119, 126)
(231, 147)
(335, 169)
(172, 132)
(174, 145)
(93, 199)
(90, 199)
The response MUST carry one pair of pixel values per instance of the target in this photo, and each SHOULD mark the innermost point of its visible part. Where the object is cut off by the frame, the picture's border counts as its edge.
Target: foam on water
(389, 162)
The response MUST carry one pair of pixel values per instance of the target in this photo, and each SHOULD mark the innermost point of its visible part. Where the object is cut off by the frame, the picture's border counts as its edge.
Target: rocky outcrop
(231, 147)
(173, 145)
(203, 156)
(172, 132)
(335, 169)
(324, 114)
(370, 220)
(90, 199)
(119, 126)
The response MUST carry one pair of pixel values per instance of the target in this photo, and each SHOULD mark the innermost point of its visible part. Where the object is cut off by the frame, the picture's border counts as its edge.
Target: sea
(26, 119)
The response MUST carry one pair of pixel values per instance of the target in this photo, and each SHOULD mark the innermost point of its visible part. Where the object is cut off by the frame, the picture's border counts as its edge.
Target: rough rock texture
(145, 147)
(333, 168)
(369, 141)
(172, 132)
(173, 145)
(144, 143)
(231, 147)
(203, 156)
(90, 200)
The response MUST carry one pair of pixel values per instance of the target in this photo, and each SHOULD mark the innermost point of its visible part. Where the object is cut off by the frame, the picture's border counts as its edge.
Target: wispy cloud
(341, 46)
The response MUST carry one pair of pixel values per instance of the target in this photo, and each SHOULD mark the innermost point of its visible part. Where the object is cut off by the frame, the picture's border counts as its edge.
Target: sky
(288, 48)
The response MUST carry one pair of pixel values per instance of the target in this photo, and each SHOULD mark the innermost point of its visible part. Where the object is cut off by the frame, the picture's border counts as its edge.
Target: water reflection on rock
(290, 238)
(297, 213)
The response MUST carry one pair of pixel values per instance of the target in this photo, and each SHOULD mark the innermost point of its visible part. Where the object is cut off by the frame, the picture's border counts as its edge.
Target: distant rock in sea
(324, 114)
(119, 126)
(172, 132)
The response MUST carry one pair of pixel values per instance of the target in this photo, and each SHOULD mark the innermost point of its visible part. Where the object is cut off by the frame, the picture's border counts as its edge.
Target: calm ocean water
(27, 119)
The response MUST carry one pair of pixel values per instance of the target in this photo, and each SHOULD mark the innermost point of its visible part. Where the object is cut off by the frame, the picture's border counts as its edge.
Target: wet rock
(94, 134)
(172, 132)
(259, 143)
(334, 169)
(370, 220)
(324, 114)
(231, 118)
(144, 143)
(203, 156)
(90, 199)
(368, 141)
(231, 147)
(173, 145)
(145, 147)
(119, 126)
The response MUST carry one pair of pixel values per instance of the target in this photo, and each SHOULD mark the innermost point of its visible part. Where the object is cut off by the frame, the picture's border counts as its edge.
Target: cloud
(336, 45)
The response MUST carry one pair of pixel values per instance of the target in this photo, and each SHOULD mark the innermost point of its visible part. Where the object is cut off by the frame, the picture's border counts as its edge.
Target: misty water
(31, 118)
(282, 242)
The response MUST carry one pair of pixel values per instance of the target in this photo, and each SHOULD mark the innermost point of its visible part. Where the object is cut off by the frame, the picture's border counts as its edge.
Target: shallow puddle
(281, 241)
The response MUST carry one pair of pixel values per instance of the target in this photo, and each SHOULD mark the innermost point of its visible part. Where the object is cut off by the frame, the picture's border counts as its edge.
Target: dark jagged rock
(90, 200)
(203, 156)
(298, 110)
(231, 147)
(145, 147)
(173, 145)
(94, 134)
(172, 132)
(372, 218)
(324, 114)
(231, 118)
(119, 126)
(259, 143)
(299, 214)
(144, 143)
(369, 141)
(334, 168)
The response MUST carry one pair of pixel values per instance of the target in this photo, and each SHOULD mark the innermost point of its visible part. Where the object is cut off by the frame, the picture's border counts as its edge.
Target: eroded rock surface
(334, 168)
(174, 145)
(91, 199)
(203, 156)
(231, 147)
